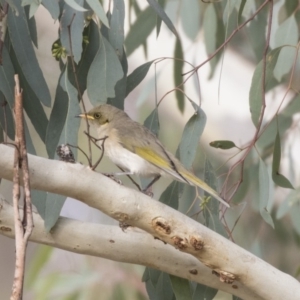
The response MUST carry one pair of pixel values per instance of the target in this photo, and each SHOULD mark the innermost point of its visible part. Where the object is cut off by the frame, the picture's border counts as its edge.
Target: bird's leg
(147, 189)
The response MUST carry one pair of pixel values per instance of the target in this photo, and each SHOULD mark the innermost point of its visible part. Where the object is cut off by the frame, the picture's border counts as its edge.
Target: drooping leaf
(191, 136)
(6, 118)
(162, 3)
(152, 122)
(54, 204)
(263, 179)
(159, 10)
(181, 288)
(222, 144)
(71, 28)
(289, 42)
(96, 6)
(57, 119)
(170, 196)
(293, 107)
(116, 32)
(136, 77)
(38, 199)
(52, 7)
(76, 5)
(178, 70)
(21, 42)
(278, 178)
(256, 89)
(191, 17)
(7, 77)
(140, 30)
(295, 212)
(203, 292)
(120, 88)
(211, 209)
(241, 8)
(31, 26)
(288, 203)
(104, 73)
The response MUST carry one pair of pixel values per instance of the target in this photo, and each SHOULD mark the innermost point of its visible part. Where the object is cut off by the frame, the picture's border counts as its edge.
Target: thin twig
(24, 225)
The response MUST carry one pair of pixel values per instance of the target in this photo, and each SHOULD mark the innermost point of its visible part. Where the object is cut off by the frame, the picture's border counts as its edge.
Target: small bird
(134, 148)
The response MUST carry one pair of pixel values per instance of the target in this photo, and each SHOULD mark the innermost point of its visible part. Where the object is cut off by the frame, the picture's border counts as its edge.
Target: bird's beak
(85, 116)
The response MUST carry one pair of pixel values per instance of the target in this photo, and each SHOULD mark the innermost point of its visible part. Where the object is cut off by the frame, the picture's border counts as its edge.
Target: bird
(135, 149)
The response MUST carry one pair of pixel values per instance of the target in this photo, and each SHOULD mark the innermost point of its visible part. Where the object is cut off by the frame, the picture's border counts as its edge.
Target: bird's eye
(97, 115)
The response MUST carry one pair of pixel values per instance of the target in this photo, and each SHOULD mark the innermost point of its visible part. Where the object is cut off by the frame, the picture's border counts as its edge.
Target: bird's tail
(193, 180)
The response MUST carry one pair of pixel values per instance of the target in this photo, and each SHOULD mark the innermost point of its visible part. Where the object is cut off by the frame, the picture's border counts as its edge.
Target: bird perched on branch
(134, 148)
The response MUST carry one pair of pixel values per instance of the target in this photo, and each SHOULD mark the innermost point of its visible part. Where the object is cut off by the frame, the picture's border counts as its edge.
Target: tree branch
(230, 262)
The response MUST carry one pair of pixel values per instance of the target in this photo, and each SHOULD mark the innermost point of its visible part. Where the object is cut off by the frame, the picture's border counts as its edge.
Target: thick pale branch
(133, 246)
(231, 262)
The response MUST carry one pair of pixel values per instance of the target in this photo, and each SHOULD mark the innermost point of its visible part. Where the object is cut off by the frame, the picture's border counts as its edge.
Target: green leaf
(21, 42)
(211, 209)
(191, 17)
(29, 144)
(140, 30)
(170, 195)
(52, 7)
(295, 213)
(276, 176)
(288, 203)
(38, 199)
(57, 119)
(136, 77)
(181, 288)
(190, 137)
(222, 144)
(96, 6)
(152, 122)
(120, 88)
(162, 3)
(54, 204)
(104, 73)
(73, 4)
(267, 138)
(263, 179)
(6, 118)
(31, 26)
(7, 77)
(71, 126)
(256, 94)
(159, 10)
(293, 107)
(71, 28)
(241, 9)
(203, 292)
(178, 70)
(116, 32)
(87, 57)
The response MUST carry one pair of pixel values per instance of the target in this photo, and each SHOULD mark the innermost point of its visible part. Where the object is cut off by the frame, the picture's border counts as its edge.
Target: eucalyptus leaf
(136, 77)
(57, 119)
(162, 3)
(7, 77)
(104, 73)
(21, 42)
(181, 288)
(6, 118)
(116, 32)
(191, 17)
(54, 204)
(140, 30)
(256, 89)
(159, 10)
(52, 7)
(152, 122)
(288, 203)
(190, 137)
(71, 28)
(96, 6)
(178, 70)
(76, 5)
(170, 196)
(278, 178)
(295, 212)
(31, 25)
(222, 144)
(203, 292)
(263, 178)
